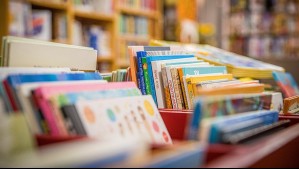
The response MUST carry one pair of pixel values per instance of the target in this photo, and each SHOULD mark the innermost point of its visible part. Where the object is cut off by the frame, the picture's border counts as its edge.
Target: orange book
(291, 105)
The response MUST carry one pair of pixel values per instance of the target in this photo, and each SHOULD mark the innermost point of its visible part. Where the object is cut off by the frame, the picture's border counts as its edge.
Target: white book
(9, 39)
(138, 117)
(27, 54)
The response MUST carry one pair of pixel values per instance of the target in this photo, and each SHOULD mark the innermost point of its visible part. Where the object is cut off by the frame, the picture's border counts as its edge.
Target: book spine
(9, 93)
(53, 105)
(176, 88)
(190, 91)
(171, 89)
(139, 55)
(146, 76)
(180, 71)
(49, 117)
(179, 87)
(141, 74)
(187, 92)
(166, 89)
(29, 114)
(151, 78)
(158, 84)
(73, 122)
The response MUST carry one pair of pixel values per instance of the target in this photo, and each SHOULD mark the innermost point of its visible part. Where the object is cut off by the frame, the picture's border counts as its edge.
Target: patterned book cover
(124, 118)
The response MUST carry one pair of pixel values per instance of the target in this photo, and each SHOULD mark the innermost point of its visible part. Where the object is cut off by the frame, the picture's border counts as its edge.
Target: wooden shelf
(94, 16)
(139, 12)
(48, 4)
(134, 38)
(105, 59)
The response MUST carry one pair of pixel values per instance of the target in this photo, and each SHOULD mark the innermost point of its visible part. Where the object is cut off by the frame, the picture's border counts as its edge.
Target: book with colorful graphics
(287, 84)
(54, 119)
(124, 118)
(207, 107)
(30, 107)
(133, 57)
(160, 55)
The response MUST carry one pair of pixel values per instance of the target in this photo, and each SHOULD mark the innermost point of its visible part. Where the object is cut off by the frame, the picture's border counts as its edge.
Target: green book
(146, 77)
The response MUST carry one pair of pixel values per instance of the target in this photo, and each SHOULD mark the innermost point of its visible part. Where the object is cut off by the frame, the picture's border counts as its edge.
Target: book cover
(124, 118)
(287, 84)
(227, 124)
(206, 107)
(43, 93)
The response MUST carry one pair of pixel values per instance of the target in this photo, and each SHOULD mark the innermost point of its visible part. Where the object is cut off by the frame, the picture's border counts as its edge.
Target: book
(31, 108)
(249, 136)
(238, 65)
(157, 69)
(287, 84)
(124, 118)
(13, 81)
(207, 107)
(239, 123)
(51, 111)
(42, 25)
(133, 57)
(191, 80)
(155, 56)
(291, 105)
(239, 89)
(56, 55)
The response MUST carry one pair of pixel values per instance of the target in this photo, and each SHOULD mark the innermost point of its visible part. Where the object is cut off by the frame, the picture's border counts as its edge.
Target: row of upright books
(140, 4)
(175, 76)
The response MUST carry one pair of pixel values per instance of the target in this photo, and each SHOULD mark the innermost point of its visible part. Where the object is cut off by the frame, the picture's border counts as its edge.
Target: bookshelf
(115, 58)
(262, 29)
(145, 15)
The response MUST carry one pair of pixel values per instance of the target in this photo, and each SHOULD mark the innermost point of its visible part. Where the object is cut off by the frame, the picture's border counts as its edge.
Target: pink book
(45, 92)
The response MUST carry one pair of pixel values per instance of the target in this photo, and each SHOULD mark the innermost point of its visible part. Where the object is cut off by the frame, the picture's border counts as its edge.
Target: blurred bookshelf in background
(106, 25)
(265, 29)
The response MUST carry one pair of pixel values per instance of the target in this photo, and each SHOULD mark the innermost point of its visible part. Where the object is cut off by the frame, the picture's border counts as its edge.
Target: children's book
(287, 84)
(54, 119)
(123, 118)
(207, 107)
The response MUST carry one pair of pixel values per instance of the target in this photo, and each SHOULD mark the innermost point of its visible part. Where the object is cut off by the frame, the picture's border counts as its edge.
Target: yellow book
(180, 71)
(197, 79)
(242, 89)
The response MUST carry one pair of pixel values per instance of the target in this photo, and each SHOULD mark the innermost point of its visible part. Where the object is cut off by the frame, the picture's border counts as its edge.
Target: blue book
(72, 98)
(207, 107)
(204, 70)
(140, 74)
(15, 80)
(150, 59)
(262, 117)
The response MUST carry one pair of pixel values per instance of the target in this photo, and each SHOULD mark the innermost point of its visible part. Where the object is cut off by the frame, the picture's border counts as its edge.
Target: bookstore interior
(149, 83)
